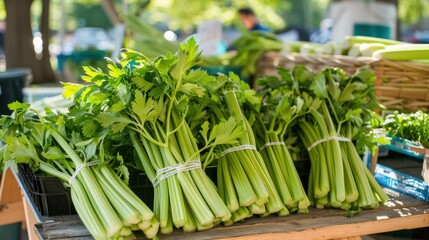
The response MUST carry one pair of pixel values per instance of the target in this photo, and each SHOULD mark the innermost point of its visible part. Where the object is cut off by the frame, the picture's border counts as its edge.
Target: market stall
(401, 212)
(221, 159)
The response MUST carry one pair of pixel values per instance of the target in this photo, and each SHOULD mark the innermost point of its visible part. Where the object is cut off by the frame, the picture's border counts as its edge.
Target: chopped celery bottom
(121, 199)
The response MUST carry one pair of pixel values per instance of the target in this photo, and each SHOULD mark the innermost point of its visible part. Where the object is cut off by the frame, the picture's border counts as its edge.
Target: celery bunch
(334, 111)
(55, 144)
(244, 182)
(148, 101)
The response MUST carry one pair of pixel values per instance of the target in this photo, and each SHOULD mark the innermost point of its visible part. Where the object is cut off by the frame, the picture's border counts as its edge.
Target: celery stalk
(101, 204)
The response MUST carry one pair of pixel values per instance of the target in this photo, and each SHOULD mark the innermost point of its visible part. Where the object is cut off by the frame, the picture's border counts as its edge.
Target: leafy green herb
(412, 126)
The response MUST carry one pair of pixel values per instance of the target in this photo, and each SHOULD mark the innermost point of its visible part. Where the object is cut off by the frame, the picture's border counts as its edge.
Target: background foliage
(184, 14)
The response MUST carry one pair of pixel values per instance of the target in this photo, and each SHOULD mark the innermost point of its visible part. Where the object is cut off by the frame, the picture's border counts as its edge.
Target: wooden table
(15, 203)
(401, 212)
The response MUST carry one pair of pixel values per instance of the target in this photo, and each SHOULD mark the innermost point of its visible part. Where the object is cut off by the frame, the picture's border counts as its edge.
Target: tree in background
(178, 14)
(413, 11)
(19, 49)
(185, 15)
(90, 14)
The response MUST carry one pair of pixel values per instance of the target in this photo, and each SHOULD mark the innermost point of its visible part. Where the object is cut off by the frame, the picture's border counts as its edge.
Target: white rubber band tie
(271, 144)
(238, 148)
(342, 139)
(80, 167)
(167, 172)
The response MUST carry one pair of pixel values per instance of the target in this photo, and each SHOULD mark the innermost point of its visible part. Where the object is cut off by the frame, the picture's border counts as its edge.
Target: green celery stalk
(86, 211)
(126, 211)
(168, 228)
(322, 181)
(352, 193)
(288, 168)
(102, 206)
(142, 225)
(203, 182)
(256, 209)
(152, 231)
(246, 195)
(127, 193)
(241, 214)
(176, 202)
(229, 195)
(190, 224)
(336, 154)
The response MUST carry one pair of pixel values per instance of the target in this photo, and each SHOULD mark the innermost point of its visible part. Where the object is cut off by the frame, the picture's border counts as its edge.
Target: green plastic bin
(371, 30)
(10, 231)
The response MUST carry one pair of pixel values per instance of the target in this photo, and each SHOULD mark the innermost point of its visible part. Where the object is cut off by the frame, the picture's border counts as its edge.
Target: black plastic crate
(303, 168)
(12, 81)
(141, 185)
(53, 199)
(48, 193)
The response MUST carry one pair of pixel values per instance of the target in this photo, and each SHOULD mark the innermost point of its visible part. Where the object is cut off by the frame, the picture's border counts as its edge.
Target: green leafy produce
(172, 120)
(250, 46)
(147, 39)
(275, 115)
(54, 144)
(336, 109)
(411, 126)
(149, 102)
(244, 182)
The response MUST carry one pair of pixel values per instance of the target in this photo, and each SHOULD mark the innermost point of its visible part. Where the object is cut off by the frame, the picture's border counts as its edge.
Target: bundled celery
(148, 100)
(173, 121)
(243, 179)
(55, 145)
(276, 116)
(338, 109)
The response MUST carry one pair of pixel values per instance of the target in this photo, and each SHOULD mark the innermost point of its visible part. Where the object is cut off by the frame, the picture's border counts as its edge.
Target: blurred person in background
(250, 20)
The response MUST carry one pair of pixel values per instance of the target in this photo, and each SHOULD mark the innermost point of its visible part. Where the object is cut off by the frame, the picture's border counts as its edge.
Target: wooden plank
(342, 231)
(9, 189)
(62, 227)
(401, 212)
(11, 209)
(319, 223)
(30, 220)
(374, 159)
(11, 213)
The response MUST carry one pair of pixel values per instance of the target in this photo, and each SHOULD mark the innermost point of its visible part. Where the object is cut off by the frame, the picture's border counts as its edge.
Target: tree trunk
(44, 64)
(19, 49)
(109, 8)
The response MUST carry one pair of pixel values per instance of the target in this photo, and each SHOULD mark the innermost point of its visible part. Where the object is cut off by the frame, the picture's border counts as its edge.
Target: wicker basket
(402, 85)
(399, 86)
(268, 62)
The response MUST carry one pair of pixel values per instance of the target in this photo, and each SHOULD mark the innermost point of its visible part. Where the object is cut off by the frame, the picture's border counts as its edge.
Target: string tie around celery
(271, 144)
(79, 168)
(167, 172)
(238, 148)
(341, 139)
